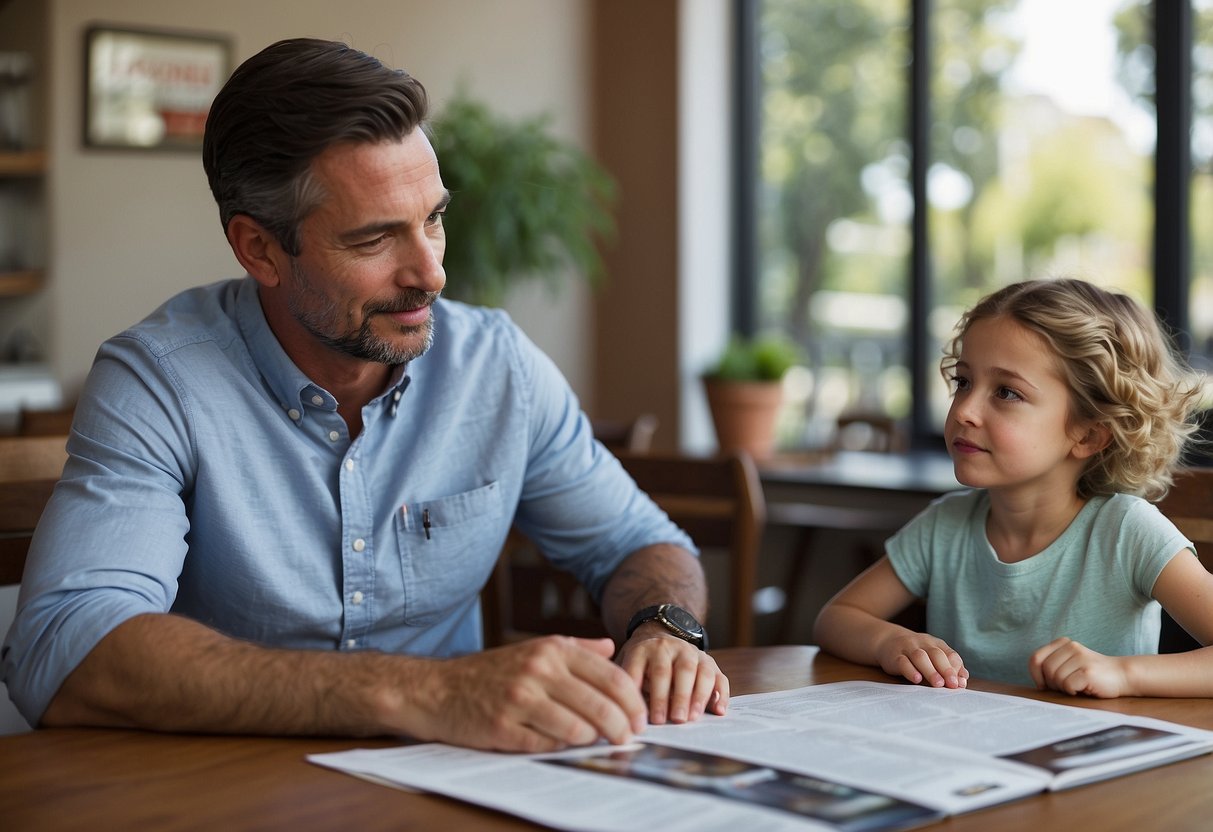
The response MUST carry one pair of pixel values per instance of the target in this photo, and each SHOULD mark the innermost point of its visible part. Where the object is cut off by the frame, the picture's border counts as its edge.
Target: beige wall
(130, 229)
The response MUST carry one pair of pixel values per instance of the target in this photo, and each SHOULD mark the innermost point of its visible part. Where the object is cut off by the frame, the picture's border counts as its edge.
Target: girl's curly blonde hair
(1122, 371)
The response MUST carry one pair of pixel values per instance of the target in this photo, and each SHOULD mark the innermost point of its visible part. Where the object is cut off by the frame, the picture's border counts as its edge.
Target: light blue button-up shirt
(209, 476)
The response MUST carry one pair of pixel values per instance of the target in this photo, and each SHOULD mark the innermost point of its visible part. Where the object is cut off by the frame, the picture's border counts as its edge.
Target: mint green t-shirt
(1093, 584)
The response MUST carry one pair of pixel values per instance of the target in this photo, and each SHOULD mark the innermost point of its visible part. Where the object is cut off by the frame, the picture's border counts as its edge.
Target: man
(285, 492)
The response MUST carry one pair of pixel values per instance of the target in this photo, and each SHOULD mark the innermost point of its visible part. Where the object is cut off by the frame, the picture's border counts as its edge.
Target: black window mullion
(747, 130)
(1172, 165)
(920, 255)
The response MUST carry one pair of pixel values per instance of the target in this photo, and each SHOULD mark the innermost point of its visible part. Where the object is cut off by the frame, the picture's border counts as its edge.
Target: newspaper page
(632, 787)
(881, 723)
(849, 756)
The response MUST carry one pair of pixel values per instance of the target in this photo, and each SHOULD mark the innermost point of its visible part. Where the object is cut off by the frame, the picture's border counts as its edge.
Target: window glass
(1042, 148)
(1200, 298)
(1040, 163)
(834, 205)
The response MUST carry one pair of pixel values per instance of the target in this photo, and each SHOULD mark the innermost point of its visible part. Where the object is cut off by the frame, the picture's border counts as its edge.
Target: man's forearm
(653, 575)
(168, 673)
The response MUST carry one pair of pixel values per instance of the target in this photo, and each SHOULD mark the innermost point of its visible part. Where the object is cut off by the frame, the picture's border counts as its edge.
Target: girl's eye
(959, 383)
(1007, 394)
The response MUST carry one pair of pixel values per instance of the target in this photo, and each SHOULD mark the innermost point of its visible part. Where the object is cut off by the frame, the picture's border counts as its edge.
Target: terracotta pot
(744, 414)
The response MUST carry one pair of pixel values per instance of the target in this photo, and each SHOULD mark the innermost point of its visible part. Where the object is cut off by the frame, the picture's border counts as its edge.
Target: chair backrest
(43, 422)
(29, 469)
(863, 431)
(718, 501)
(1189, 505)
(635, 436)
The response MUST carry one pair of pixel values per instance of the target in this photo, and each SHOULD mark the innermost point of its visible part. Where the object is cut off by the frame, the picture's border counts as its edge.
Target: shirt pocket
(448, 547)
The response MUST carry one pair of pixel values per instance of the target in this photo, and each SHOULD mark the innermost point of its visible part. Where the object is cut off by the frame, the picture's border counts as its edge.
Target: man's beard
(322, 319)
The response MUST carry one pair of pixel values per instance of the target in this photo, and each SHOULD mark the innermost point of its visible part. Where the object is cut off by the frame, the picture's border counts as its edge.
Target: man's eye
(435, 218)
(373, 242)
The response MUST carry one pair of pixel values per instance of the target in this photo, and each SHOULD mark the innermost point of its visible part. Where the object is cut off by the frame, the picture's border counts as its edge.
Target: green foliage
(764, 358)
(834, 115)
(525, 205)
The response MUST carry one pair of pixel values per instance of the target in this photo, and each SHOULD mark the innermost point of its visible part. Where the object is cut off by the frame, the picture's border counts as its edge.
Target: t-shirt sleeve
(909, 550)
(1150, 541)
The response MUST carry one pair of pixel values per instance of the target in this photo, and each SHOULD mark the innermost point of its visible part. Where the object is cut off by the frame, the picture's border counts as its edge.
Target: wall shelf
(14, 165)
(22, 163)
(17, 283)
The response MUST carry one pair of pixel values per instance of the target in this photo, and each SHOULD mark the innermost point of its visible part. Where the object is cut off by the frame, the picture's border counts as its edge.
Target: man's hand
(922, 658)
(680, 680)
(540, 695)
(1065, 665)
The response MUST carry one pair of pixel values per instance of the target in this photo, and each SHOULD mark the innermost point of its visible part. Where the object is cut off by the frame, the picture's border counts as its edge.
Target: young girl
(1069, 408)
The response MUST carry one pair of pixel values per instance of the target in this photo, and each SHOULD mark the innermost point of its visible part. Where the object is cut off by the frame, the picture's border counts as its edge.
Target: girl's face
(1008, 426)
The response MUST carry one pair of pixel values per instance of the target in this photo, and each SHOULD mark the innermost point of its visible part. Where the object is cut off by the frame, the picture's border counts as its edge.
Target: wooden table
(115, 779)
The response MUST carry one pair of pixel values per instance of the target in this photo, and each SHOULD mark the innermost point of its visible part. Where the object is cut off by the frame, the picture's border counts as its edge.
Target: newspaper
(850, 756)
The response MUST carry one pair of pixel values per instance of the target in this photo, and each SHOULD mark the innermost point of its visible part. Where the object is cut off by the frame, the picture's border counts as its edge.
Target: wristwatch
(675, 619)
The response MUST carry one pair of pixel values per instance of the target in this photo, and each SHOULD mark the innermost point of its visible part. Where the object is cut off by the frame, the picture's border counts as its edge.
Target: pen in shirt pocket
(426, 525)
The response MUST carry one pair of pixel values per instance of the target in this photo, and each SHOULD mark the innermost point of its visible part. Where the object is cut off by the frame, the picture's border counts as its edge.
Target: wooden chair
(1189, 505)
(718, 501)
(29, 469)
(42, 422)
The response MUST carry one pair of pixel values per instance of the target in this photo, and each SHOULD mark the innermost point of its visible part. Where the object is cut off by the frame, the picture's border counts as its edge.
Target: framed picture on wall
(146, 89)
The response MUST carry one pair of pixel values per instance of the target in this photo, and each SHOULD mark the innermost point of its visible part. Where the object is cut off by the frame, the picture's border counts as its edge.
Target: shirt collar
(289, 385)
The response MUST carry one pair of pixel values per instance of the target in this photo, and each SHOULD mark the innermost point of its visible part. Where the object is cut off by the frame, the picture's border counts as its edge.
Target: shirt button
(349, 465)
(294, 414)
(334, 435)
(396, 396)
(317, 400)
(359, 545)
(357, 598)
(351, 643)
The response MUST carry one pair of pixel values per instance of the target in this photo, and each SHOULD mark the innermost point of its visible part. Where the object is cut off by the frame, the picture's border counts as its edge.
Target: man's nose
(420, 264)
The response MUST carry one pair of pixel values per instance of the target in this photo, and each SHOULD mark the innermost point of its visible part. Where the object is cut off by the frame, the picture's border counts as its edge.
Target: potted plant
(525, 204)
(745, 391)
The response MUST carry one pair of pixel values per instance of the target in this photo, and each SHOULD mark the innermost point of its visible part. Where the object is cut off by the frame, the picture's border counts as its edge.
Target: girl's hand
(923, 659)
(1065, 665)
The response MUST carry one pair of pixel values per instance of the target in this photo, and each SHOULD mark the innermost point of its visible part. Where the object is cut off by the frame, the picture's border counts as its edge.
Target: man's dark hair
(282, 108)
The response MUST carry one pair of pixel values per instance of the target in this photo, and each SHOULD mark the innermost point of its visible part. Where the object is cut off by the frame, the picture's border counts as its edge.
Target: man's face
(370, 263)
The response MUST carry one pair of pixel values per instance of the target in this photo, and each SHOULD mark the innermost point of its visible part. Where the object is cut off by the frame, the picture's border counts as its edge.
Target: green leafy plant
(762, 358)
(525, 204)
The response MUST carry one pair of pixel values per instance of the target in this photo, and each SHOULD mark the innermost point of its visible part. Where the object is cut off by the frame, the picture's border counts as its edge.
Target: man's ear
(257, 249)
(1094, 438)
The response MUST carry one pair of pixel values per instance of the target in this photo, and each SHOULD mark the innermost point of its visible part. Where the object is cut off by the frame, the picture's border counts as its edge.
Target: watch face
(683, 619)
